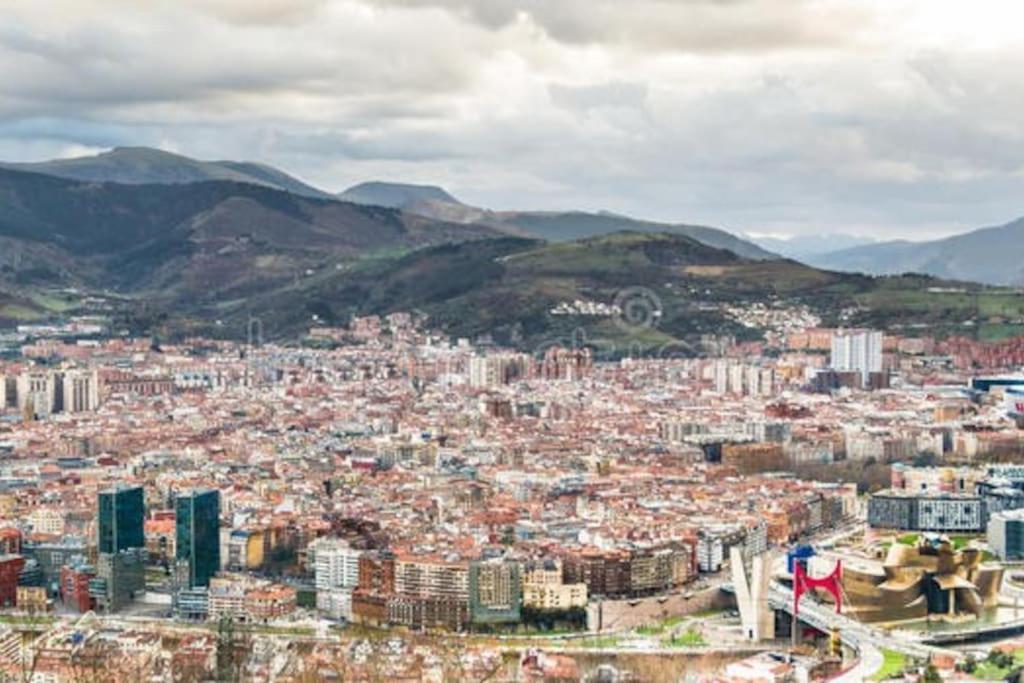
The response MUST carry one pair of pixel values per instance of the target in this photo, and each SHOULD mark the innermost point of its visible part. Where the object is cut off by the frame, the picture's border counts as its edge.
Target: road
(867, 640)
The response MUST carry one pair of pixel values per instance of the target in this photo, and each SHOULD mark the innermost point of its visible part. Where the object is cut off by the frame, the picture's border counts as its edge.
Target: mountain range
(147, 166)
(186, 245)
(991, 255)
(552, 226)
(803, 247)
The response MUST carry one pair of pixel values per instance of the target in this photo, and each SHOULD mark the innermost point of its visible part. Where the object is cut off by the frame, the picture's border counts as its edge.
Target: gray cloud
(672, 25)
(759, 115)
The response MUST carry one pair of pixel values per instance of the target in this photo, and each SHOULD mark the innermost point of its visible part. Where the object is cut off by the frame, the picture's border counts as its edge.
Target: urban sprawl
(212, 510)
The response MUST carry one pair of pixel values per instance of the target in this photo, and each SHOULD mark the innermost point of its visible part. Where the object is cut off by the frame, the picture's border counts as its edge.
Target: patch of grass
(961, 542)
(908, 539)
(893, 664)
(596, 643)
(27, 619)
(993, 332)
(998, 667)
(18, 312)
(660, 627)
(689, 638)
(54, 301)
(529, 631)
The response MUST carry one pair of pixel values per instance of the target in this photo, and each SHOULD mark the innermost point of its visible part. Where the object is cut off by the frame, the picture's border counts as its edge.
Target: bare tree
(94, 662)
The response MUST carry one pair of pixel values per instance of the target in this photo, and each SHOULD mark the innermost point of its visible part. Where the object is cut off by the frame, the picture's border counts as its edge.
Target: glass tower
(120, 523)
(198, 534)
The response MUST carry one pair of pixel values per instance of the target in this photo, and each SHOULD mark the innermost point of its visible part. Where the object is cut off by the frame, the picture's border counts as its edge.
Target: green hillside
(508, 288)
(205, 257)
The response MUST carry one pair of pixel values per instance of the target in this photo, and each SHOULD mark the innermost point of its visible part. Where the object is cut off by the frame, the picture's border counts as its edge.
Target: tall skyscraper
(857, 351)
(120, 522)
(198, 534)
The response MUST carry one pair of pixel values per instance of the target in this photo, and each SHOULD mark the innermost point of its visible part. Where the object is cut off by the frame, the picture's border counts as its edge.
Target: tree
(232, 651)
(931, 675)
(93, 661)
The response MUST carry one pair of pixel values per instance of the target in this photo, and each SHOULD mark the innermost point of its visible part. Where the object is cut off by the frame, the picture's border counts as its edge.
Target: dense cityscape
(286, 512)
(511, 341)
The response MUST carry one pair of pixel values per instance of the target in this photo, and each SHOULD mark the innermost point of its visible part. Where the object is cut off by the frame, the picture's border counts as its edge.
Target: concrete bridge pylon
(751, 583)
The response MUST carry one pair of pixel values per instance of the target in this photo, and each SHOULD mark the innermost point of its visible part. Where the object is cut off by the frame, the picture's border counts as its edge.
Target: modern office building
(938, 512)
(192, 604)
(120, 563)
(857, 351)
(52, 556)
(121, 519)
(120, 578)
(1005, 535)
(495, 591)
(197, 541)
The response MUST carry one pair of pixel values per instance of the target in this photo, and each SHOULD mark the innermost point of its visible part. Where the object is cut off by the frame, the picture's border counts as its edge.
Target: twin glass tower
(121, 526)
(197, 541)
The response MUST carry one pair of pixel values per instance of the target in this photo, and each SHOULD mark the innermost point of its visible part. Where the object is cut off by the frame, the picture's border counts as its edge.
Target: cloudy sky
(888, 117)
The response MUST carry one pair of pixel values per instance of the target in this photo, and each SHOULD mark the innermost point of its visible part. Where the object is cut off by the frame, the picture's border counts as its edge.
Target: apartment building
(248, 600)
(336, 568)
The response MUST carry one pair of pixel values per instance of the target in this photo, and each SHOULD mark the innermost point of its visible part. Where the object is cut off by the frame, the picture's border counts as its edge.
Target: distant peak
(140, 165)
(396, 195)
(139, 151)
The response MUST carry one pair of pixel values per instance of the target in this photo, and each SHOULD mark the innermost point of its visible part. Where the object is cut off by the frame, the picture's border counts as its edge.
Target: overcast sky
(890, 117)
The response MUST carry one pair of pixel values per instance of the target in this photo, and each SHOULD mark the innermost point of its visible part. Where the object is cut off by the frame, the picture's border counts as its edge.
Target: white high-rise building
(737, 373)
(337, 564)
(721, 373)
(857, 351)
(753, 381)
(37, 392)
(337, 572)
(480, 373)
(81, 391)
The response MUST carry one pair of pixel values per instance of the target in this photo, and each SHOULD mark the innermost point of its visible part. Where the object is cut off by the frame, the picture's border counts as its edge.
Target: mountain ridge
(136, 165)
(205, 237)
(552, 225)
(396, 195)
(806, 246)
(991, 255)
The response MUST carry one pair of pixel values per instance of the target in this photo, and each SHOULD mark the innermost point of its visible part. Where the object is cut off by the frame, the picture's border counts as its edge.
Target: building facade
(941, 513)
(197, 538)
(1005, 535)
(857, 351)
(120, 520)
